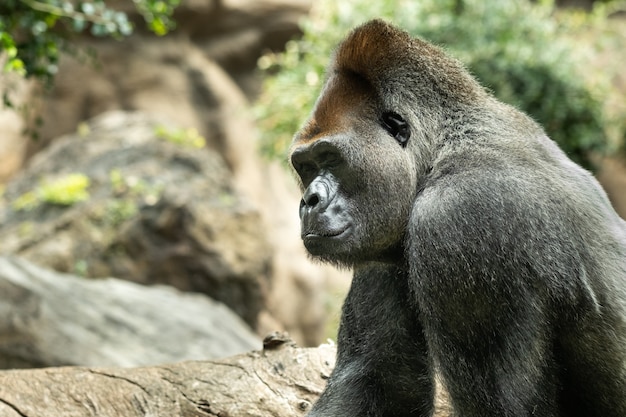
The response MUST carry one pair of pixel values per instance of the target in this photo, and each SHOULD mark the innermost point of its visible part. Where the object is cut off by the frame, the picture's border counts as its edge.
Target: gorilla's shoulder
(480, 203)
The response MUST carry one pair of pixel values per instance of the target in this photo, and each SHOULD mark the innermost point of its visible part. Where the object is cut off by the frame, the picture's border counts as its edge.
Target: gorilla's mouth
(326, 242)
(312, 235)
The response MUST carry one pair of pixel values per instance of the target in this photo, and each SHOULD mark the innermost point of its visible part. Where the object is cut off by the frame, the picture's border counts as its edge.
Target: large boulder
(51, 319)
(156, 212)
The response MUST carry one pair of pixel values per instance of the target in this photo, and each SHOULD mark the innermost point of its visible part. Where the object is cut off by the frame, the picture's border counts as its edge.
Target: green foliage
(184, 137)
(118, 210)
(128, 193)
(518, 49)
(34, 32)
(131, 186)
(64, 191)
(158, 14)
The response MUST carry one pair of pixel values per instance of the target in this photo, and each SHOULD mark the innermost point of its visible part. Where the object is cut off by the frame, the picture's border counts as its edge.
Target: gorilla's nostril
(312, 200)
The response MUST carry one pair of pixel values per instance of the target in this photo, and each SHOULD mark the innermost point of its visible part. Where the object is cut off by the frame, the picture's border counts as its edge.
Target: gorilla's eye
(305, 170)
(396, 126)
(330, 159)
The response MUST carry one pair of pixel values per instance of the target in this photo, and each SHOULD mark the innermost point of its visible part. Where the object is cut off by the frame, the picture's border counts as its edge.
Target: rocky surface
(156, 212)
(51, 319)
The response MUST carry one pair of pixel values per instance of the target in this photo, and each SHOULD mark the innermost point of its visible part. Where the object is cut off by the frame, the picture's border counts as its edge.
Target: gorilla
(483, 257)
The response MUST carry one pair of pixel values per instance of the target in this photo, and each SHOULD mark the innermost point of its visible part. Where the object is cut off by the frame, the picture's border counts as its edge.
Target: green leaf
(158, 27)
(39, 27)
(88, 8)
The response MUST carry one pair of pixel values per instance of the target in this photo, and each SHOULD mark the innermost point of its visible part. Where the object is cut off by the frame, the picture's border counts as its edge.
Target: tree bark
(282, 380)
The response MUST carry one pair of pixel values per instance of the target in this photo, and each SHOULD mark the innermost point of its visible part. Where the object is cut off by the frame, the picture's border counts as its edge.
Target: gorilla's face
(357, 175)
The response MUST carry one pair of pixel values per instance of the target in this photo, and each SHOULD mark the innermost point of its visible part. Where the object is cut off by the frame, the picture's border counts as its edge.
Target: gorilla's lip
(325, 234)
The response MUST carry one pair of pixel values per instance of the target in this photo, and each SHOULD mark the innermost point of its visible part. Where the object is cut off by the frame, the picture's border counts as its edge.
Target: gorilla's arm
(382, 367)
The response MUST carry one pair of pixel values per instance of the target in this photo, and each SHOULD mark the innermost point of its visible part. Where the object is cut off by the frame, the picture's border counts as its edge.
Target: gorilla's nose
(316, 198)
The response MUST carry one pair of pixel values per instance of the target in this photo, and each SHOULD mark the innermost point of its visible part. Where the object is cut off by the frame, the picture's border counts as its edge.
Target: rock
(13, 141)
(157, 212)
(241, 31)
(51, 319)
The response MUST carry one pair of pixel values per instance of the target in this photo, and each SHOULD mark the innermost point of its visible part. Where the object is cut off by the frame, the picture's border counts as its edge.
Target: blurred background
(147, 213)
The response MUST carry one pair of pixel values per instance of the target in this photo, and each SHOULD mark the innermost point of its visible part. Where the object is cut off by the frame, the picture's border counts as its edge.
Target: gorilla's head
(369, 143)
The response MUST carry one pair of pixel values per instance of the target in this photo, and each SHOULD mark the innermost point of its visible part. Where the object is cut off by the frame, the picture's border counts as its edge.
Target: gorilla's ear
(396, 126)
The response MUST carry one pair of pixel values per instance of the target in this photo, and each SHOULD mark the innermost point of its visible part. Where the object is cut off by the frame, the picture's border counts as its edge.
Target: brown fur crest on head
(384, 55)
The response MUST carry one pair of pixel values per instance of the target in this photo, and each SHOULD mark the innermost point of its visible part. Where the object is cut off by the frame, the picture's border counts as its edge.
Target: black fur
(481, 252)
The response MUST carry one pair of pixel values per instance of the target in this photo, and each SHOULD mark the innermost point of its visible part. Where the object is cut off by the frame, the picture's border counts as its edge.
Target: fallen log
(281, 380)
